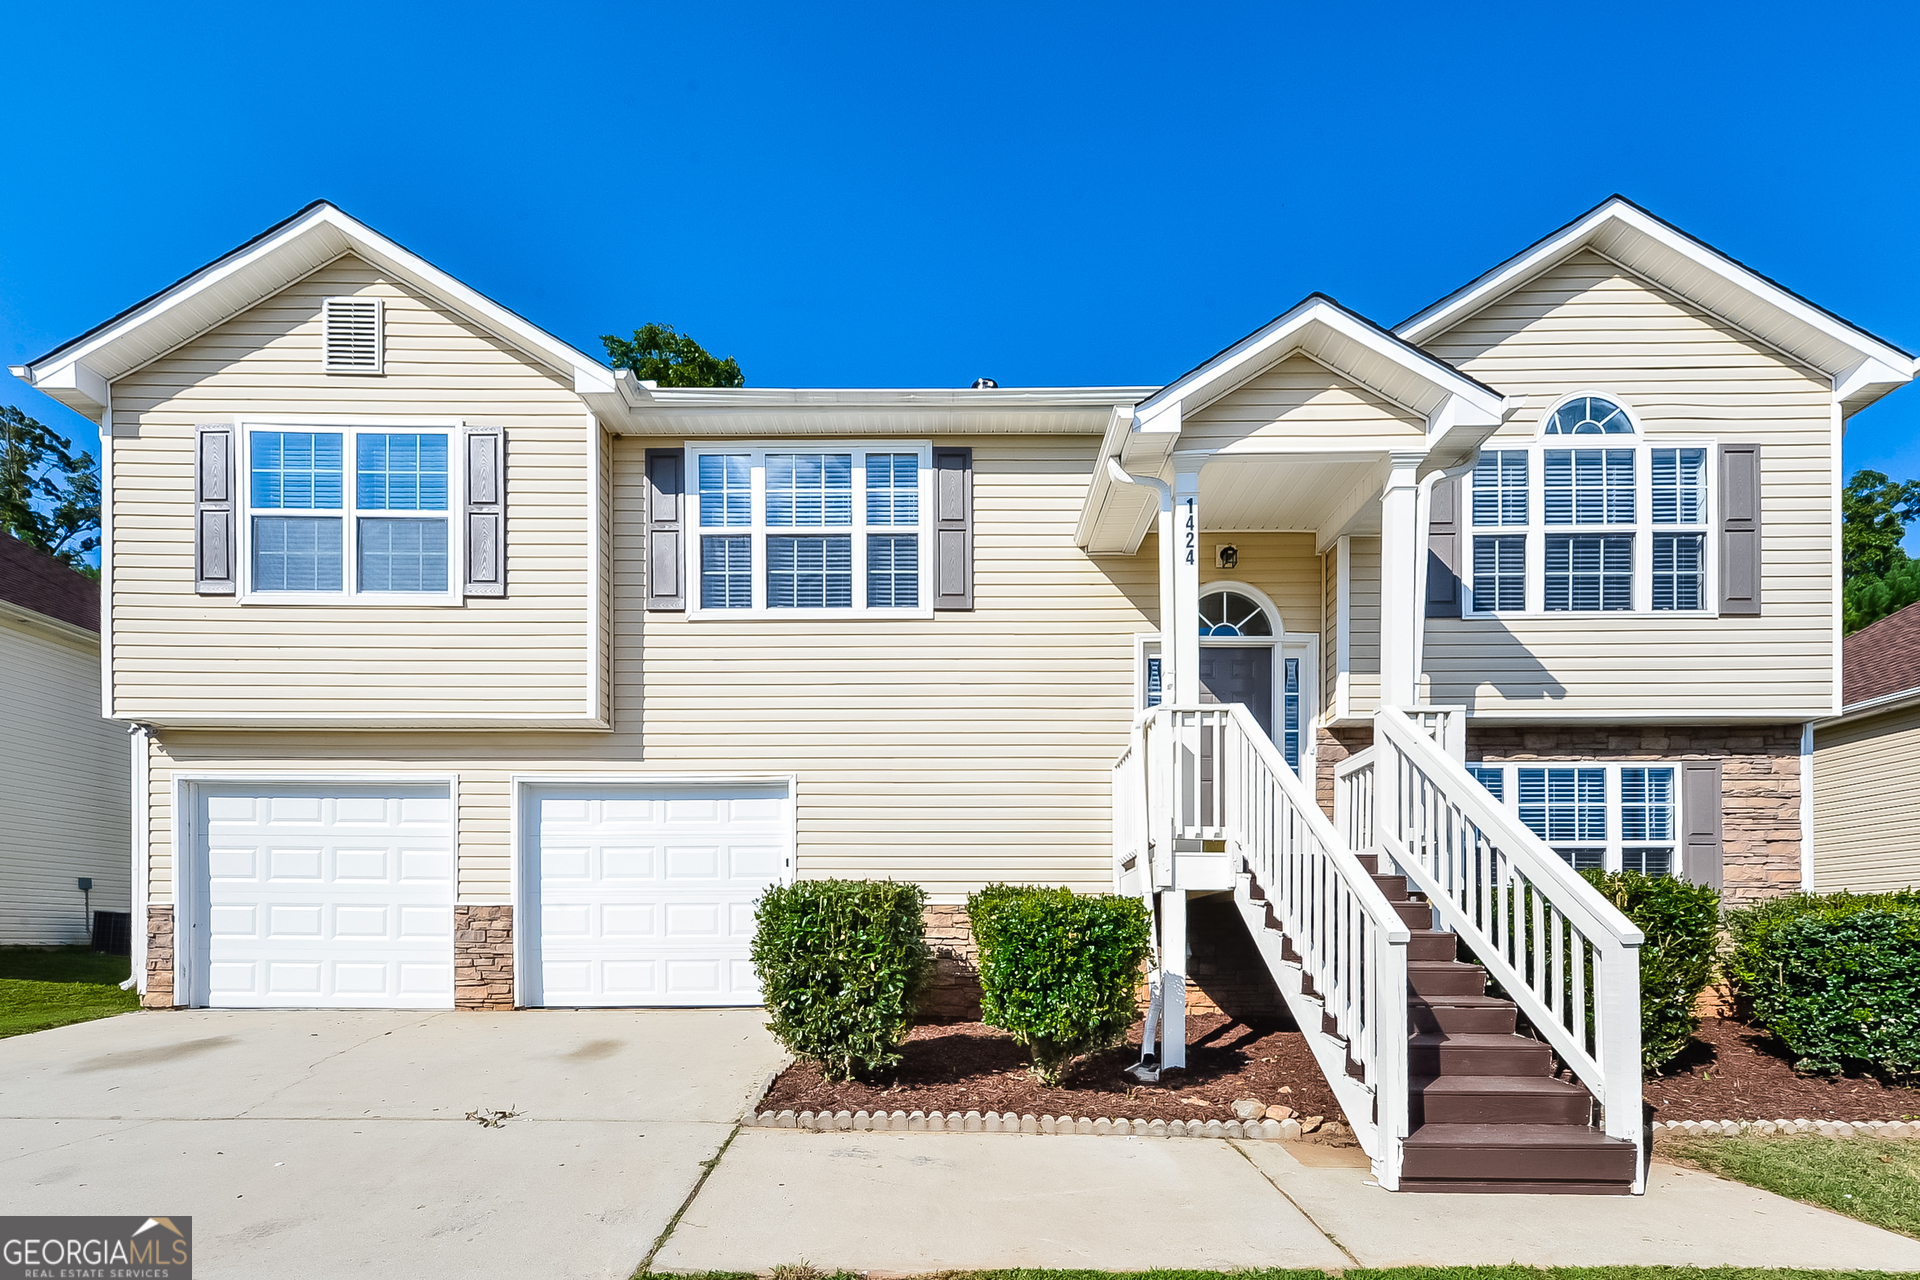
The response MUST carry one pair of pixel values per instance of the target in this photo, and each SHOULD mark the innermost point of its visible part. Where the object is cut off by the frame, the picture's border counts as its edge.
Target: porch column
(1180, 632)
(1399, 579)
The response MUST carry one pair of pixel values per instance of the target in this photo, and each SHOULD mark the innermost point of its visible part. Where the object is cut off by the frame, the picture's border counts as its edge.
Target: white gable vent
(354, 334)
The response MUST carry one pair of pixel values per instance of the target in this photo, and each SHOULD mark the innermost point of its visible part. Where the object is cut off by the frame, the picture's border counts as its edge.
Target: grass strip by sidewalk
(38, 1006)
(1876, 1180)
(801, 1271)
(62, 964)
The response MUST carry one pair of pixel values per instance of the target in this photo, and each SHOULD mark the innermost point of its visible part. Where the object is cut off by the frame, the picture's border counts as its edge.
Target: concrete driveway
(330, 1143)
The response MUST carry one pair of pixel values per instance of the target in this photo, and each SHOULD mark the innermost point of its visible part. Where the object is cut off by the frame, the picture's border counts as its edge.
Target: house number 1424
(1190, 531)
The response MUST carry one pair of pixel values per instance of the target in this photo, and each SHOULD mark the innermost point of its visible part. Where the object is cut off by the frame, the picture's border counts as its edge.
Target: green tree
(658, 354)
(1876, 512)
(49, 495)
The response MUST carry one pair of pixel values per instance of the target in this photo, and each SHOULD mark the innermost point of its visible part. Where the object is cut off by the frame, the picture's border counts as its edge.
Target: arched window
(1229, 613)
(1589, 416)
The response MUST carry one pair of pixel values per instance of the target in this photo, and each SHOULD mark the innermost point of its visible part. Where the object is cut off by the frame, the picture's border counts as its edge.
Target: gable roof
(78, 372)
(1863, 367)
(1882, 658)
(32, 579)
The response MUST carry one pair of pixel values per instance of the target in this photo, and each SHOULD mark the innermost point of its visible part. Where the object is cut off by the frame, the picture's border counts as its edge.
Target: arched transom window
(1229, 613)
(1589, 416)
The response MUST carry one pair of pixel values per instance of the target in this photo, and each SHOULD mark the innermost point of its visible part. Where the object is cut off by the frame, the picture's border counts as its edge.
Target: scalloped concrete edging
(1008, 1122)
(1782, 1128)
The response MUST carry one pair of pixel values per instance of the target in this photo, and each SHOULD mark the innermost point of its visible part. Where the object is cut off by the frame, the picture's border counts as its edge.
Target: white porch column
(1400, 611)
(1180, 630)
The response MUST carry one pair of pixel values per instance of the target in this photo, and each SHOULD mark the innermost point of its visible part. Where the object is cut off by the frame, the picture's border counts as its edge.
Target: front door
(1239, 673)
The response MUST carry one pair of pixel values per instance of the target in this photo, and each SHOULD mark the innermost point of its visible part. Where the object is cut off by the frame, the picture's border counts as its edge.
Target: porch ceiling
(1280, 493)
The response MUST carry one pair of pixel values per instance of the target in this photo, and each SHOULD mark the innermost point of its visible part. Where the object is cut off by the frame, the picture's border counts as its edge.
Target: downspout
(140, 737)
(1164, 535)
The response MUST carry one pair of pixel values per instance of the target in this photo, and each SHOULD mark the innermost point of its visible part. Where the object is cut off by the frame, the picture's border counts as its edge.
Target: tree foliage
(49, 495)
(1879, 576)
(657, 354)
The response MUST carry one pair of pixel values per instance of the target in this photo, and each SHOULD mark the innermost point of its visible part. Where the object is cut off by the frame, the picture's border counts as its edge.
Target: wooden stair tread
(1519, 1136)
(1460, 1001)
(1476, 1039)
(1494, 1084)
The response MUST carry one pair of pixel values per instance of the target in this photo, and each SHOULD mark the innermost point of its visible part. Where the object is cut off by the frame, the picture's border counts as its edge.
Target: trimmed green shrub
(842, 963)
(1834, 978)
(1682, 924)
(1059, 970)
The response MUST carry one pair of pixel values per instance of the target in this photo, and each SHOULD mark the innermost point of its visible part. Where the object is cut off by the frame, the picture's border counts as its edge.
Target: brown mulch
(1733, 1071)
(969, 1066)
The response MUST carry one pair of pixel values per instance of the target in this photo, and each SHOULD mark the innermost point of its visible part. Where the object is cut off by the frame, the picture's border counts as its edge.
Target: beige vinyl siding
(1300, 402)
(1363, 612)
(1280, 564)
(529, 656)
(1590, 326)
(1866, 804)
(64, 784)
(954, 750)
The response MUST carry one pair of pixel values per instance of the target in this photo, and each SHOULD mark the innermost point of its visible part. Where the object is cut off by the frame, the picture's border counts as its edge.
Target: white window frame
(1615, 843)
(1642, 530)
(758, 530)
(350, 593)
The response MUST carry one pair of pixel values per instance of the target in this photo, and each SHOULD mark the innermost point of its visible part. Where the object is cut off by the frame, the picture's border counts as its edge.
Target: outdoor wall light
(1226, 557)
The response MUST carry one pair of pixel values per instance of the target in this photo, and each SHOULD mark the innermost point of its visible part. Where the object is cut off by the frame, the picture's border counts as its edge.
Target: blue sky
(899, 195)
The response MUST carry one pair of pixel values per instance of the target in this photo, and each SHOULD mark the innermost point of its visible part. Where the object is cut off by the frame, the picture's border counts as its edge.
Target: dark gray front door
(1235, 674)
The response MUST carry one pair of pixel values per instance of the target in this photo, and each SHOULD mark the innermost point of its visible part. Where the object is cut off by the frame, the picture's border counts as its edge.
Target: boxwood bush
(1835, 978)
(1682, 924)
(1058, 970)
(842, 963)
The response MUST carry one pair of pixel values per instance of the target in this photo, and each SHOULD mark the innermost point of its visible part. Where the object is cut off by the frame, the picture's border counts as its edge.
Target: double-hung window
(1607, 817)
(1589, 518)
(348, 513)
(810, 530)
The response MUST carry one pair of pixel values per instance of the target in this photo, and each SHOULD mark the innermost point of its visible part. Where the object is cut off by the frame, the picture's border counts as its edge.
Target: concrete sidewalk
(927, 1202)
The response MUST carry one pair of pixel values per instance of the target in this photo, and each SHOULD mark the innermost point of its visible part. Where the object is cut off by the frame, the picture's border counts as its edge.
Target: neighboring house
(472, 673)
(1863, 766)
(63, 768)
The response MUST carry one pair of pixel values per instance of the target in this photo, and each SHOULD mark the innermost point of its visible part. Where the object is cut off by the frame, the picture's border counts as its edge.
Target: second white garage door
(644, 893)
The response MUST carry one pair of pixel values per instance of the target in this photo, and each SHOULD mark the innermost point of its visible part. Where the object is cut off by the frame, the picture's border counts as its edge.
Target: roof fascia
(1898, 700)
(1888, 366)
(66, 368)
(1245, 358)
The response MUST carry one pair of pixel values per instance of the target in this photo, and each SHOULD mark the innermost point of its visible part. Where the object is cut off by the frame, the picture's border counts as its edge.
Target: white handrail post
(1616, 1028)
(1386, 791)
(1389, 1012)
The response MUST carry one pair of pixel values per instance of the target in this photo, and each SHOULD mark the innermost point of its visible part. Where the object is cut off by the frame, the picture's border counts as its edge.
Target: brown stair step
(1440, 1054)
(1499, 1100)
(1507, 1153)
(1417, 915)
(1433, 944)
(1394, 887)
(1457, 1015)
(1446, 978)
(1370, 861)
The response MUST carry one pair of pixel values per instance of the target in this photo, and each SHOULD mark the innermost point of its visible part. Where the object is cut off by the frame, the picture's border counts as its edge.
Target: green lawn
(1876, 1180)
(804, 1272)
(42, 987)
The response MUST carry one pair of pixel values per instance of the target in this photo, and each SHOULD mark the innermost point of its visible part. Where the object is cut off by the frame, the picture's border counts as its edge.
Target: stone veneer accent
(1759, 785)
(954, 993)
(482, 957)
(1331, 746)
(159, 993)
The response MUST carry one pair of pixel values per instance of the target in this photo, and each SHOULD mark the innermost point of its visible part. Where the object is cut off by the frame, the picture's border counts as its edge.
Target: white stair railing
(1564, 954)
(1201, 775)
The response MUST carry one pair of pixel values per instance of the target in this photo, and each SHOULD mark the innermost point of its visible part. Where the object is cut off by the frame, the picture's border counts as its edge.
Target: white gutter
(1120, 475)
(1898, 700)
(1422, 515)
(140, 736)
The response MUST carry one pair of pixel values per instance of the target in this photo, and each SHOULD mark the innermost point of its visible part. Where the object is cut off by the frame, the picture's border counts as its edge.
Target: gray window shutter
(953, 528)
(1740, 529)
(1700, 857)
(486, 511)
(214, 572)
(666, 529)
(1443, 550)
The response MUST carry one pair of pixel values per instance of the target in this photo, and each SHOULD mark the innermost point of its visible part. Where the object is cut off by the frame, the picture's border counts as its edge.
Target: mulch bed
(1732, 1071)
(969, 1066)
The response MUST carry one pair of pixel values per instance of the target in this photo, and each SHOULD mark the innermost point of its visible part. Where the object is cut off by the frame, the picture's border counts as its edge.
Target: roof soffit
(1863, 367)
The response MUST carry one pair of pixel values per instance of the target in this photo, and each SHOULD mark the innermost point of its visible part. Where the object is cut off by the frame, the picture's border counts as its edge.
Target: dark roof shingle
(1882, 658)
(34, 580)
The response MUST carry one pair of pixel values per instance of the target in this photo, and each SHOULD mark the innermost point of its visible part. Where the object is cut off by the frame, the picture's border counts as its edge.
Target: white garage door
(645, 893)
(327, 896)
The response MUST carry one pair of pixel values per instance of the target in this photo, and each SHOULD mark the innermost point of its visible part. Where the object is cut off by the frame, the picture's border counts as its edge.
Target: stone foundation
(482, 957)
(159, 992)
(954, 993)
(1759, 785)
(1331, 746)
